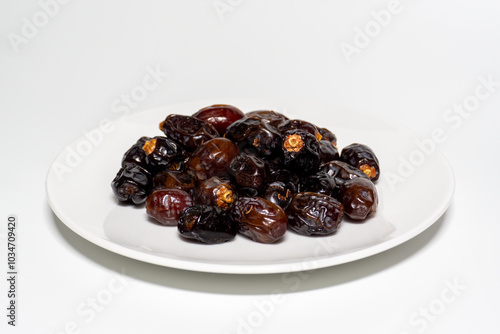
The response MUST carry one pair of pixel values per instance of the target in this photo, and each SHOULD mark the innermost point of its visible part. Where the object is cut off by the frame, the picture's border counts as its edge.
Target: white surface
(126, 230)
(71, 75)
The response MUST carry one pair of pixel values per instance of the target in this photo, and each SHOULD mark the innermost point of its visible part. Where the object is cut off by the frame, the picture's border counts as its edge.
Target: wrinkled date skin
(279, 193)
(259, 219)
(220, 172)
(167, 205)
(219, 115)
(301, 125)
(359, 198)
(290, 179)
(161, 152)
(314, 214)
(190, 132)
(328, 152)
(135, 155)
(301, 150)
(249, 171)
(174, 179)
(216, 191)
(270, 117)
(362, 157)
(212, 158)
(319, 182)
(341, 172)
(328, 136)
(254, 134)
(132, 184)
(206, 224)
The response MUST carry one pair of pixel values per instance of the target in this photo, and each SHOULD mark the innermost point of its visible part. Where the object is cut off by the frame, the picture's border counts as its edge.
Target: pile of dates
(221, 172)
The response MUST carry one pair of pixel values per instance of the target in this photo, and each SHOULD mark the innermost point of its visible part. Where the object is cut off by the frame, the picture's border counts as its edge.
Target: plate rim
(268, 268)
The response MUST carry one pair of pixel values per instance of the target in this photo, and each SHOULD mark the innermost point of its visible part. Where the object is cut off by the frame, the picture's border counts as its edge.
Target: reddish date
(219, 115)
(167, 205)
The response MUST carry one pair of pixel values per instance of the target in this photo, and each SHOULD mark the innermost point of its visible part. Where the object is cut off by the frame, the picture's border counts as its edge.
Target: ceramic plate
(415, 189)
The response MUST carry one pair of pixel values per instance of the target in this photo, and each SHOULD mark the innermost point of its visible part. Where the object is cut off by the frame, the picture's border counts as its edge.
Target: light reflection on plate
(79, 193)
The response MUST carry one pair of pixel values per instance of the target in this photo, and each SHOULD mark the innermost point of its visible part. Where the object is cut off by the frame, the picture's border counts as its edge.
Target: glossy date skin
(162, 152)
(359, 198)
(293, 124)
(279, 193)
(167, 205)
(314, 214)
(328, 151)
(270, 117)
(166, 179)
(132, 184)
(319, 182)
(221, 172)
(135, 155)
(327, 135)
(362, 157)
(341, 172)
(219, 115)
(301, 150)
(206, 224)
(216, 191)
(259, 219)
(249, 171)
(253, 134)
(212, 159)
(188, 131)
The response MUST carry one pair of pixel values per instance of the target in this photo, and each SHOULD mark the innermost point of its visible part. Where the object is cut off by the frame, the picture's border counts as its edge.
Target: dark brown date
(328, 152)
(161, 152)
(190, 132)
(135, 155)
(166, 179)
(206, 224)
(301, 150)
(132, 184)
(293, 124)
(328, 136)
(216, 191)
(319, 182)
(253, 134)
(167, 205)
(341, 172)
(362, 157)
(259, 219)
(278, 193)
(249, 171)
(359, 198)
(314, 214)
(212, 159)
(270, 117)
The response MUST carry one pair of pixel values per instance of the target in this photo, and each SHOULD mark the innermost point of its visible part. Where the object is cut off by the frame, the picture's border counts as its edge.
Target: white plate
(418, 192)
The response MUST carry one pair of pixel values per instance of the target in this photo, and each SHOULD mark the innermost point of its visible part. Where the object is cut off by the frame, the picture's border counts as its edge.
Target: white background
(64, 77)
